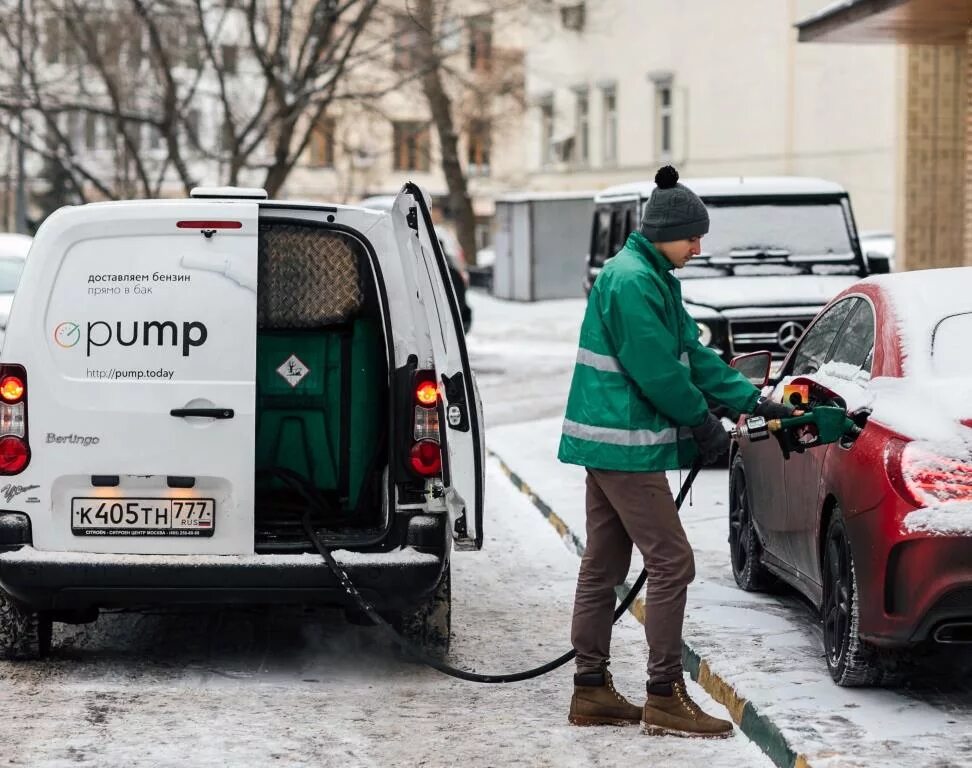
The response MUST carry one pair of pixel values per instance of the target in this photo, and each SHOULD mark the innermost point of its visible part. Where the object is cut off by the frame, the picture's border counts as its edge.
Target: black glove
(769, 410)
(712, 439)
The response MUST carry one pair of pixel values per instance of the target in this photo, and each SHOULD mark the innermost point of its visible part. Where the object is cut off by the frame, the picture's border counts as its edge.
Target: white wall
(747, 98)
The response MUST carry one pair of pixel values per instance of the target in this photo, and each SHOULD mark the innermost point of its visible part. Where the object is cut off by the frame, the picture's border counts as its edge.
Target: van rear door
(141, 359)
(463, 431)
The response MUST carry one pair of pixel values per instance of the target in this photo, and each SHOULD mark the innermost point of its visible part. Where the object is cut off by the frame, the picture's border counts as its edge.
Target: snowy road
(295, 688)
(289, 687)
(768, 646)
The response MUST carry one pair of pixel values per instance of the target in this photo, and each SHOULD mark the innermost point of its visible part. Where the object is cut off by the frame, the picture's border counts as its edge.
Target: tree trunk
(440, 105)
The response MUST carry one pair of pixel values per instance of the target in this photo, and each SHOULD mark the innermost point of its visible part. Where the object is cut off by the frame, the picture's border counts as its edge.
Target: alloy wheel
(837, 601)
(740, 539)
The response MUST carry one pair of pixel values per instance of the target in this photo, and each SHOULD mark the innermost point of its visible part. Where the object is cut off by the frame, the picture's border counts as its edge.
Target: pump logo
(67, 334)
(129, 333)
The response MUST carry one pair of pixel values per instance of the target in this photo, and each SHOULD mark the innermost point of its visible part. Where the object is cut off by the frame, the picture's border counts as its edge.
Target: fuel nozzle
(754, 429)
(820, 426)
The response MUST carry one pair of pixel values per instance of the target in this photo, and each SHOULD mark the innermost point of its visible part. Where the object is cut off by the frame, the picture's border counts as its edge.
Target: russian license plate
(142, 517)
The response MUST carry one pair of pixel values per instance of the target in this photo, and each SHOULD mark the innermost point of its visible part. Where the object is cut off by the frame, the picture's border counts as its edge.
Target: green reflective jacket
(642, 377)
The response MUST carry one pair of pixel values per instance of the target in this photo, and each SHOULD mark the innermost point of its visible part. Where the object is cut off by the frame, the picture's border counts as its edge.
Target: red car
(875, 530)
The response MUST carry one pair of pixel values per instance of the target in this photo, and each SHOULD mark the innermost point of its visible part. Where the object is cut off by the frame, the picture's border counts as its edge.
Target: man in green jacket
(638, 406)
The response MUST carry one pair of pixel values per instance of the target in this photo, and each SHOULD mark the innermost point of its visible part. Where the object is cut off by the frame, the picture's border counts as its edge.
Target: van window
(600, 236)
(618, 235)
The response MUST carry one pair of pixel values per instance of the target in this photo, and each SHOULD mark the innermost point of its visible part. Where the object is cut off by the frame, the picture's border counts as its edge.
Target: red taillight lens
(11, 388)
(13, 455)
(925, 476)
(427, 394)
(426, 458)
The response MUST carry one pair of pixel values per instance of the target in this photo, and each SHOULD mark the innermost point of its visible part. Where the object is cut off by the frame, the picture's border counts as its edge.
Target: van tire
(24, 634)
(430, 626)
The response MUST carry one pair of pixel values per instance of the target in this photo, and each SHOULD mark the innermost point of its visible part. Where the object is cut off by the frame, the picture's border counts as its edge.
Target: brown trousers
(626, 507)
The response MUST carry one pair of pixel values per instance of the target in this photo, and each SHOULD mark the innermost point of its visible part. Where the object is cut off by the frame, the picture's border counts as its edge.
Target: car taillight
(924, 475)
(425, 455)
(14, 446)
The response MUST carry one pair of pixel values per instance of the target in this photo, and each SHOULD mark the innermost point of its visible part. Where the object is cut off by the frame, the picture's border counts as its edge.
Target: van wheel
(852, 661)
(745, 551)
(24, 634)
(430, 627)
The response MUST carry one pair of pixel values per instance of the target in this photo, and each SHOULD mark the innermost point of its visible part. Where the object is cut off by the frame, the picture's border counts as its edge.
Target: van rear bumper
(69, 581)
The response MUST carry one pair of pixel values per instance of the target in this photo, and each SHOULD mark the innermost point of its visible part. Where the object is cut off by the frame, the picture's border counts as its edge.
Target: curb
(758, 728)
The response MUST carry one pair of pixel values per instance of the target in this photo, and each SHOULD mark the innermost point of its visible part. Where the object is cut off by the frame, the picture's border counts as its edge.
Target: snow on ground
(768, 646)
(294, 687)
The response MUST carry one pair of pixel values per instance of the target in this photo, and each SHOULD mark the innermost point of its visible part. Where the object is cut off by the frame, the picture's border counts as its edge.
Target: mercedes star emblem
(789, 334)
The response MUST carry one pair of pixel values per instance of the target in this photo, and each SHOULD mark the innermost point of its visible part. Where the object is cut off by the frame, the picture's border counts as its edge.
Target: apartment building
(383, 132)
(618, 87)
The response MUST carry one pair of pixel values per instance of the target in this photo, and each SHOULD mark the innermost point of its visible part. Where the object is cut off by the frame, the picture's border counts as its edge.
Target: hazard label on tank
(293, 370)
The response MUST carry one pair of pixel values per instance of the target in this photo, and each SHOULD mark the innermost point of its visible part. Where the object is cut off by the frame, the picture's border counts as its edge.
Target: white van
(171, 365)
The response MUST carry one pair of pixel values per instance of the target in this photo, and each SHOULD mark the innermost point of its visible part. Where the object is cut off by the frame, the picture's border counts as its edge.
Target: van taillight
(14, 446)
(11, 389)
(426, 458)
(425, 455)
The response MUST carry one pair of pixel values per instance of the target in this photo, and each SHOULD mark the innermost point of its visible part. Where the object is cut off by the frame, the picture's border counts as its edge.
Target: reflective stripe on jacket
(642, 378)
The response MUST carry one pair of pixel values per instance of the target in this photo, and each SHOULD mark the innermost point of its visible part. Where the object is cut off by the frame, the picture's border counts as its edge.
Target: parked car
(875, 531)
(778, 250)
(449, 245)
(184, 380)
(13, 256)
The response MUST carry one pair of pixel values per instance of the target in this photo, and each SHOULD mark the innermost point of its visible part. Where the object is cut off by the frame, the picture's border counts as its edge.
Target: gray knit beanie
(674, 212)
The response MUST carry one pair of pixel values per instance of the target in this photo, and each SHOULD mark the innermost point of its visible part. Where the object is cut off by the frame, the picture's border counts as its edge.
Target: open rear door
(464, 447)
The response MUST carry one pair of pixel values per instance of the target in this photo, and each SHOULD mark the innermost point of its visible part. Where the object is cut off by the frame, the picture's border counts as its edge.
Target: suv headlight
(705, 334)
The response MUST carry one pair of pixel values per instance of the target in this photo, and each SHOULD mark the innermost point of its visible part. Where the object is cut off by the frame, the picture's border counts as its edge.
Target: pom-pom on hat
(674, 212)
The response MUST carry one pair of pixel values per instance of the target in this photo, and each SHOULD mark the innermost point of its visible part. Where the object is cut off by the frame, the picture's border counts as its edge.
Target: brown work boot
(675, 714)
(596, 702)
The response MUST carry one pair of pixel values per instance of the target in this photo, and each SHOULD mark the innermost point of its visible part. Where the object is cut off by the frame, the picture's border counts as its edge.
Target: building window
(481, 43)
(663, 119)
(480, 144)
(52, 39)
(154, 142)
(322, 143)
(411, 146)
(546, 132)
(572, 17)
(231, 59)
(193, 122)
(610, 129)
(405, 42)
(226, 137)
(90, 131)
(582, 117)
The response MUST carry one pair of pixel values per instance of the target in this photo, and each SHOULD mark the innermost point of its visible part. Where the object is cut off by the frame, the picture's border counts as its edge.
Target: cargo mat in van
(322, 385)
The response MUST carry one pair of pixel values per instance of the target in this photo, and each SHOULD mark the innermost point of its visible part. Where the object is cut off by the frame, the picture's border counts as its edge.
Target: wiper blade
(759, 253)
(821, 258)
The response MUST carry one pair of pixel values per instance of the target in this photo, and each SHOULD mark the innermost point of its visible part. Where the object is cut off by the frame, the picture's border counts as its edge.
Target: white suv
(180, 377)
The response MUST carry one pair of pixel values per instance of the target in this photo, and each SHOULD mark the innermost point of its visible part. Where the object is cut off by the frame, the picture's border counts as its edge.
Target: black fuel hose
(301, 485)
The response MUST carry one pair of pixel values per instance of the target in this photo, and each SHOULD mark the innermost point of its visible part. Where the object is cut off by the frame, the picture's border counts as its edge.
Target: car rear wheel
(24, 634)
(430, 626)
(852, 661)
(744, 547)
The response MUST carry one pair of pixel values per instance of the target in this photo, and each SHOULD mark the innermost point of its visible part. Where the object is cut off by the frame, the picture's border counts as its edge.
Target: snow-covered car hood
(775, 291)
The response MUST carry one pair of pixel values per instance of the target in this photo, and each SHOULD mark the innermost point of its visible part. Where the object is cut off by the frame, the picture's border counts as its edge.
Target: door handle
(206, 413)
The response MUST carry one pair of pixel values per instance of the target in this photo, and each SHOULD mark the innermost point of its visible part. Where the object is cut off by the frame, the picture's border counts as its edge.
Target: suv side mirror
(755, 366)
(878, 263)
